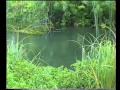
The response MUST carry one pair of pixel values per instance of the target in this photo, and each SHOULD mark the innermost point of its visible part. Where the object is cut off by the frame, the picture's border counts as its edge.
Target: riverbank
(96, 71)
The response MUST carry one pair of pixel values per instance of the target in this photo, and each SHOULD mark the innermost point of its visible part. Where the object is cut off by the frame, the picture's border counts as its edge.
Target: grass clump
(98, 70)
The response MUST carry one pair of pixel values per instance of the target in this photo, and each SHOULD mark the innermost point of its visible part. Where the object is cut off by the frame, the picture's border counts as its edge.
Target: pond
(55, 48)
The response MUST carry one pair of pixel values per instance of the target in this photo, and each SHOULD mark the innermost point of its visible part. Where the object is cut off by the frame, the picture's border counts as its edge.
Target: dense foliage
(97, 71)
(44, 15)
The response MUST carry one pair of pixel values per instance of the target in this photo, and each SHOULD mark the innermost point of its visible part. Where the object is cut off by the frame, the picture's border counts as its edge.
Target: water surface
(55, 48)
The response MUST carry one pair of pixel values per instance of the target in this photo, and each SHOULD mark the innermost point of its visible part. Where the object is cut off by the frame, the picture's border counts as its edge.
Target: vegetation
(41, 16)
(97, 69)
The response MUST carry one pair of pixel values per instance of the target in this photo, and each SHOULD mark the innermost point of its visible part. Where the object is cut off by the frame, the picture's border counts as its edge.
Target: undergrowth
(97, 70)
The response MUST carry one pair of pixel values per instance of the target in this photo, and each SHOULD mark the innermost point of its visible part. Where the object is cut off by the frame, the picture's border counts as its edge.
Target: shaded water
(55, 48)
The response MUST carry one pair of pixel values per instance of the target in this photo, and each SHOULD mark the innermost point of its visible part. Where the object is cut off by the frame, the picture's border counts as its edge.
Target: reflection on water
(55, 48)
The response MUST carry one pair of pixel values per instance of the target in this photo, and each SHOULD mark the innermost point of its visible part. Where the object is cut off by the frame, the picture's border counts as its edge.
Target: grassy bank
(97, 70)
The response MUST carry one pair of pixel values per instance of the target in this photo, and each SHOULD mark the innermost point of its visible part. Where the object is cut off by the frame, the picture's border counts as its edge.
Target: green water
(54, 48)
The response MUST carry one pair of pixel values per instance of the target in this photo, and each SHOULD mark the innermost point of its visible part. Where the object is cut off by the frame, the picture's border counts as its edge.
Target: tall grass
(98, 69)
(98, 65)
(17, 50)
